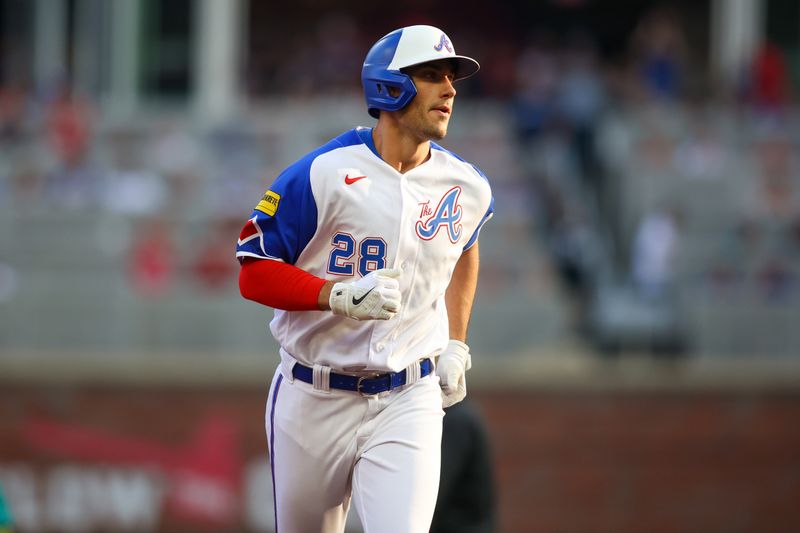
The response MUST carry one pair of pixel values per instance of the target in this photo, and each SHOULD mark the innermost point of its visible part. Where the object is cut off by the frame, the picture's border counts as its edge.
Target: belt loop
(413, 373)
(287, 367)
(322, 378)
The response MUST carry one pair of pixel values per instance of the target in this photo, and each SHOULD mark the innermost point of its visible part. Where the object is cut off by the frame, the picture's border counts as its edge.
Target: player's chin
(437, 132)
(437, 128)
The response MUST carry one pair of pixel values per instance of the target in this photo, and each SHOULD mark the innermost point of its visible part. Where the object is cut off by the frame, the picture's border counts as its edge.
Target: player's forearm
(460, 293)
(283, 286)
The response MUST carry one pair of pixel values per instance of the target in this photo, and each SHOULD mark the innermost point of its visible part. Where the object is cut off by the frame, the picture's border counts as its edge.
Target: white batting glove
(376, 296)
(451, 368)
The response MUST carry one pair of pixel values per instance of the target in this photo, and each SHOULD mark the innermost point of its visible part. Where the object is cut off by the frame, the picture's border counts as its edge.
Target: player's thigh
(396, 479)
(311, 438)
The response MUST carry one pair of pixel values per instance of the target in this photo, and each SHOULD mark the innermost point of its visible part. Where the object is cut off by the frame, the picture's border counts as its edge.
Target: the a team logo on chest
(447, 214)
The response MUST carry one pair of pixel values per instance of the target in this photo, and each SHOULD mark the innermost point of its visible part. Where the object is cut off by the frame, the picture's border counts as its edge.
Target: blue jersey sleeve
(285, 219)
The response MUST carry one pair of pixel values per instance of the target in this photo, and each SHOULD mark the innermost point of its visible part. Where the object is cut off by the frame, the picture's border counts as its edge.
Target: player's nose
(448, 89)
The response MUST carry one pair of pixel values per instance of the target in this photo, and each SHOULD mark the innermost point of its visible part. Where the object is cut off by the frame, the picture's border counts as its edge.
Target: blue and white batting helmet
(403, 48)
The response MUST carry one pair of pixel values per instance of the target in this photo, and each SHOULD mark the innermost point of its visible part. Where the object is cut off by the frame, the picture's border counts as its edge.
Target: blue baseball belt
(364, 385)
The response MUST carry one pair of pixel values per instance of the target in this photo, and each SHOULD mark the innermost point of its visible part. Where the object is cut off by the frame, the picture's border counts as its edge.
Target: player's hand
(451, 368)
(376, 296)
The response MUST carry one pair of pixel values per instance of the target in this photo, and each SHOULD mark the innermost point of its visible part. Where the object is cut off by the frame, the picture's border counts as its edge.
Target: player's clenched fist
(451, 368)
(376, 296)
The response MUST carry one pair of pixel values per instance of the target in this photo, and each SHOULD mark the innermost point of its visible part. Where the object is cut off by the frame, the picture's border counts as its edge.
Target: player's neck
(398, 149)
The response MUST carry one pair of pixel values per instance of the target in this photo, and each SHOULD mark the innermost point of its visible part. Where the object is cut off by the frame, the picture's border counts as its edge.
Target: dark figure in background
(466, 502)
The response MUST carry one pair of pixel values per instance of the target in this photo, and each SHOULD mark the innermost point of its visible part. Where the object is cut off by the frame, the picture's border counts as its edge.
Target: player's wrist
(460, 343)
(324, 298)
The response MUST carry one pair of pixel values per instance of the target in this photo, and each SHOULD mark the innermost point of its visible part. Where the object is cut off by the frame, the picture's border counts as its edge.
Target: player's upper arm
(284, 220)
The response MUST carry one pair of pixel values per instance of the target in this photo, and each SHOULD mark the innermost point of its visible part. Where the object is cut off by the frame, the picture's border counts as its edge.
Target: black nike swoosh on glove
(357, 301)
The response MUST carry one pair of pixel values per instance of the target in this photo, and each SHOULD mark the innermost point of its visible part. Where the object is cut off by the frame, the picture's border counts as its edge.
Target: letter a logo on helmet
(403, 48)
(443, 42)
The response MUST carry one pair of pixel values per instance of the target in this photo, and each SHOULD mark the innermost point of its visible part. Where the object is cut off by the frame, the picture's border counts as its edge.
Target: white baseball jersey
(341, 212)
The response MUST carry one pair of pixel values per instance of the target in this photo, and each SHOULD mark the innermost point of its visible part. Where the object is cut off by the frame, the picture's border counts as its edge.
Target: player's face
(428, 114)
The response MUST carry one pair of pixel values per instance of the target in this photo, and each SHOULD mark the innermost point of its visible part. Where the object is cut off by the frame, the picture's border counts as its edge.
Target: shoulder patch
(269, 203)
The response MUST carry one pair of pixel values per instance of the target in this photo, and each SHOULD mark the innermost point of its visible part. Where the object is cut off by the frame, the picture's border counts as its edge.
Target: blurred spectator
(68, 123)
(776, 198)
(213, 266)
(575, 249)
(152, 258)
(581, 100)
(133, 188)
(763, 248)
(773, 213)
(75, 182)
(537, 77)
(13, 107)
(655, 149)
(768, 87)
(653, 255)
(659, 52)
(75, 186)
(702, 154)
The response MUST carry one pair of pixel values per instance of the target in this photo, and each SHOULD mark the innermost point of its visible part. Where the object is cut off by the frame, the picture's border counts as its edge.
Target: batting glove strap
(376, 296)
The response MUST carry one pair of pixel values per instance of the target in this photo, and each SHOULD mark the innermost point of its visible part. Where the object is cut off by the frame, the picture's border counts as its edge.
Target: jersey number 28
(371, 255)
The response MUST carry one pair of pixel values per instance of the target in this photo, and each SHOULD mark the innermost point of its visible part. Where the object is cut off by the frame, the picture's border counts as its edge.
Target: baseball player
(367, 249)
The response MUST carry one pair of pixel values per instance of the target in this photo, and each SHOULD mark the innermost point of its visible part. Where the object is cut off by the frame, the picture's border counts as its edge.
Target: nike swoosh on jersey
(348, 180)
(357, 301)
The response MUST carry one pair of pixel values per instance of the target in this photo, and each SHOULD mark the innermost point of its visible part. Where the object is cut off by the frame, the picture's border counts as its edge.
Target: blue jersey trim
(445, 150)
(365, 134)
(489, 213)
(271, 444)
(288, 232)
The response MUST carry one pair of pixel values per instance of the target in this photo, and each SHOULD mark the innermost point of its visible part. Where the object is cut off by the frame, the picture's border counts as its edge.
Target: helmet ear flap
(387, 91)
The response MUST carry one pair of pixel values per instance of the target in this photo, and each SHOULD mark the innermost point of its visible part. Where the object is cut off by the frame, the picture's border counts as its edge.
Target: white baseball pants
(327, 448)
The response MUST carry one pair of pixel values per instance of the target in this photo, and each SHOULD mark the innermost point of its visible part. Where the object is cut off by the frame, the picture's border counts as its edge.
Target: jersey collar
(365, 134)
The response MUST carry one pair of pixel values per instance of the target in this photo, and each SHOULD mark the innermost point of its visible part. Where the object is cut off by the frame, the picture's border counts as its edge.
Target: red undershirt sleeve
(279, 285)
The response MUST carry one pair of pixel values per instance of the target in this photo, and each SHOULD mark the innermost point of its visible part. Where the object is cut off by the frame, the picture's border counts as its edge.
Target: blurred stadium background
(636, 331)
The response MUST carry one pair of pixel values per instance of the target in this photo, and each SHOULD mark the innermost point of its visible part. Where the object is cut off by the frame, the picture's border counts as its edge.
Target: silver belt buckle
(358, 387)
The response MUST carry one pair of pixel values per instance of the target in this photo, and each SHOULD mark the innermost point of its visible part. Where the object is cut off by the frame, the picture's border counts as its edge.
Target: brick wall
(569, 461)
(646, 462)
